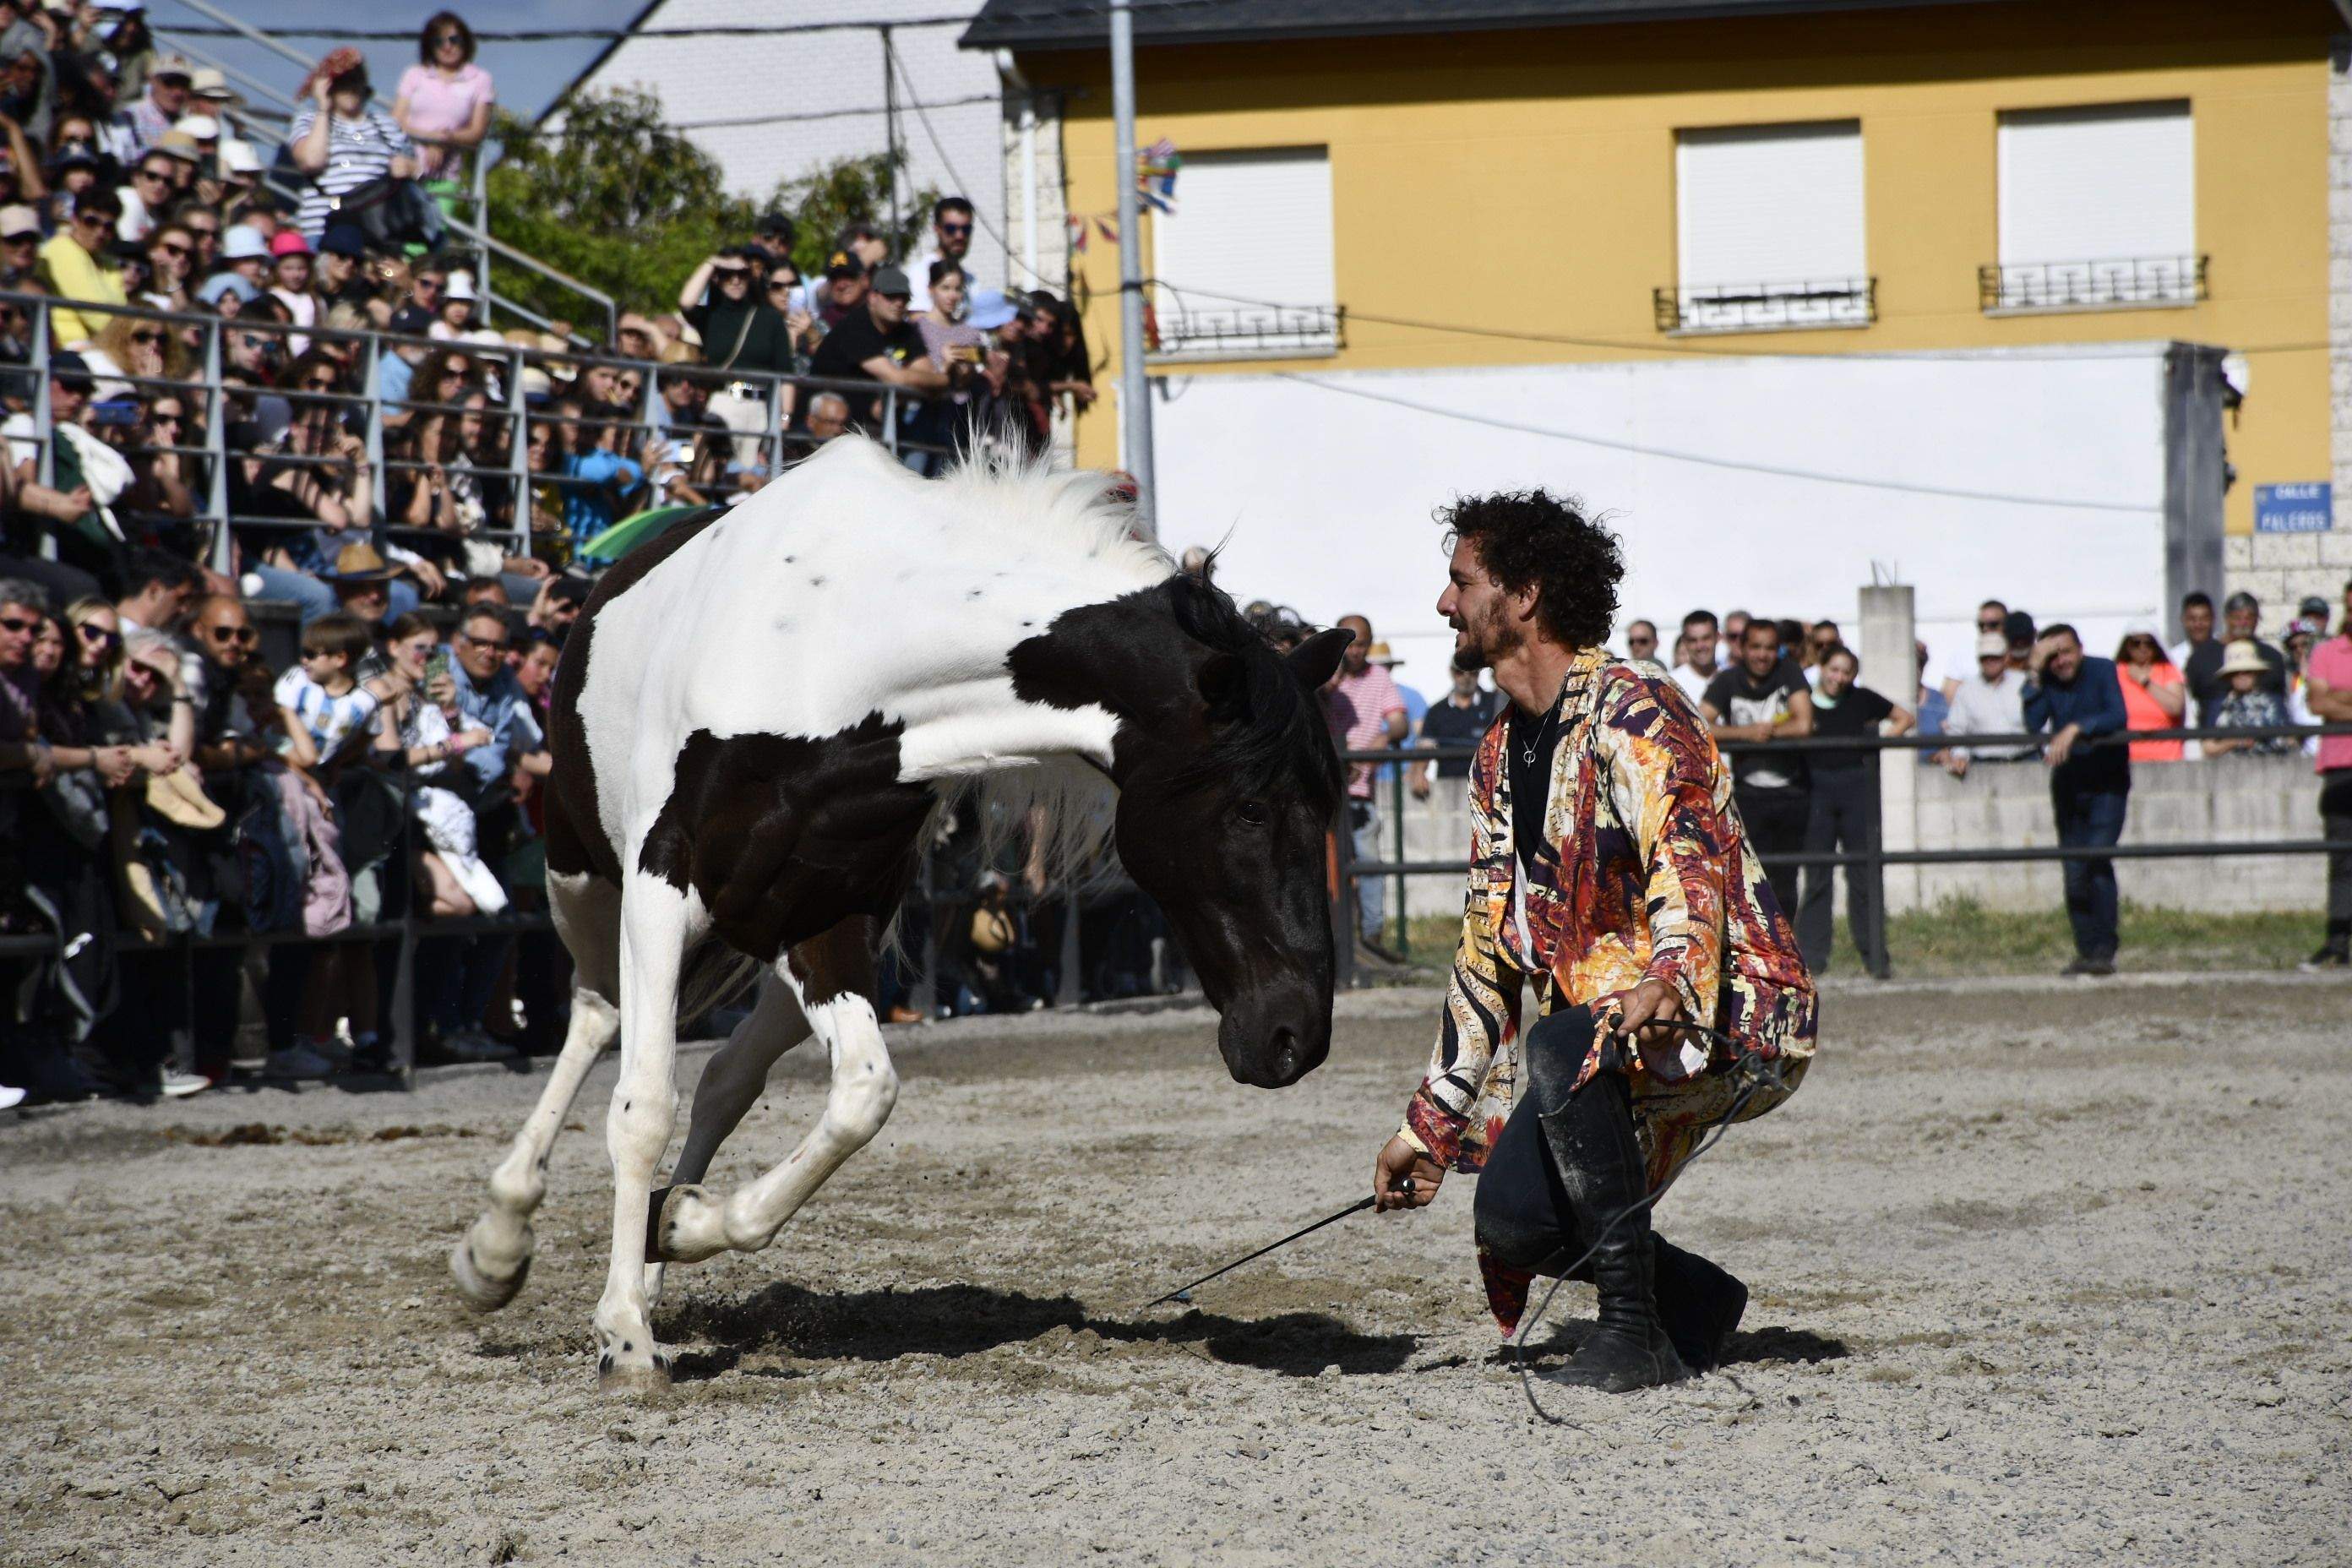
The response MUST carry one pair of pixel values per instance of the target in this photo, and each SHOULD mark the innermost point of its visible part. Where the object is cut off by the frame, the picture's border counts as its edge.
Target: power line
(1629, 345)
(1709, 461)
(893, 63)
(829, 114)
(710, 30)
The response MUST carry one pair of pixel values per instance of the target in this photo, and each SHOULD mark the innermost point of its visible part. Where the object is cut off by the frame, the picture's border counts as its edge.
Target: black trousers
(1842, 818)
(2335, 822)
(1775, 819)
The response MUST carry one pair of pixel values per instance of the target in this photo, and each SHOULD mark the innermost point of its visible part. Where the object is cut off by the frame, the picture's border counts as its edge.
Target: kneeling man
(1608, 867)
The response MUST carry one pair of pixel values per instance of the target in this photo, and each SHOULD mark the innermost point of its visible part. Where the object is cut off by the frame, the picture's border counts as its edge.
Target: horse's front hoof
(685, 1225)
(626, 1377)
(481, 1291)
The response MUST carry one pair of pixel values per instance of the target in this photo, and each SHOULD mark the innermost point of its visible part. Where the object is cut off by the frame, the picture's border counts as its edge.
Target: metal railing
(1870, 863)
(219, 348)
(2126, 283)
(1767, 306)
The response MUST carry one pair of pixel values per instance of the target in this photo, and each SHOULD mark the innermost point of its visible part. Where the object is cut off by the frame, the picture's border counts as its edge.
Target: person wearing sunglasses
(129, 354)
(144, 197)
(443, 101)
(952, 229)
(741, 330)
(73, 267)
(170, 263)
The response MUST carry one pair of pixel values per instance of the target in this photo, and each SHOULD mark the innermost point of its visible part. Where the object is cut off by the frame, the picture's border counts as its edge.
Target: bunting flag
(1076, 223)
(1155, 174)
(1108, 229)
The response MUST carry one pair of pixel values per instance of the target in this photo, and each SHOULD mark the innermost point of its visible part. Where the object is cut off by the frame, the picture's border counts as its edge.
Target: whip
(1184, 1292)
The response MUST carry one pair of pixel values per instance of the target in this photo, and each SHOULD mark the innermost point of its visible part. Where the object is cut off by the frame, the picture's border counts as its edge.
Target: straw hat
(2242, 659)
(360, 564)
(1379, 654)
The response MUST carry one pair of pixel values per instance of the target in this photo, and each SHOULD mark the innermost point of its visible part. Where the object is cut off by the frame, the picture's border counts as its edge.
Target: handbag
(390, 212)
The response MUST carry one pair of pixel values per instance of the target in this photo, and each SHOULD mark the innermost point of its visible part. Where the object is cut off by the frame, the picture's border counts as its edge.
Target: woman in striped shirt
(341, 143)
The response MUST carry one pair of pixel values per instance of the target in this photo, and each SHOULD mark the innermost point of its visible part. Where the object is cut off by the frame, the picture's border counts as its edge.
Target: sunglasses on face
(146, 339)
(320, 384)
(446, 39)
(158, 174)
(955, 228)
(225, 635)
(99, 636)
(21, 239)
(159, 420)
(11, 624)
(170, 248)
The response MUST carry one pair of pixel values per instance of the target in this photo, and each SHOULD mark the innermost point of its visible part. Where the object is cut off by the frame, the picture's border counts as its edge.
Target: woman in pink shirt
(444, 102)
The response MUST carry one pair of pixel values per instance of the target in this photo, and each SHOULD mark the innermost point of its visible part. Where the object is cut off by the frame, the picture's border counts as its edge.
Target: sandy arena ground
(2043, 1274)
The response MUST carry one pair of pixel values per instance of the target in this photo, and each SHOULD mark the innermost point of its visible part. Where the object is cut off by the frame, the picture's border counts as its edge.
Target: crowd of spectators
(1756, 680)
(292, 528)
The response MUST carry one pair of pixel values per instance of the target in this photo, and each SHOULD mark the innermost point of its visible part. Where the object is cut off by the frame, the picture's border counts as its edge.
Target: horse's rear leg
(657, 921)
(492, 1259)
(833, 979)
(729, 1086)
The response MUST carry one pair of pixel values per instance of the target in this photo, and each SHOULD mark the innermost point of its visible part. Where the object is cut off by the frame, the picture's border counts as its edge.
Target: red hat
(289, 242)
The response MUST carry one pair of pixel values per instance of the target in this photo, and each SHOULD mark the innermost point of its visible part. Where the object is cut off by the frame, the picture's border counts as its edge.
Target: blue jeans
(316, 598)
(2091, 819)
(1365, 816)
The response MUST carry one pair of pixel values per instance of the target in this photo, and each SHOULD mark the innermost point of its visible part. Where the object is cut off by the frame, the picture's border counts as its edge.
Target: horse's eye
(1251, 811)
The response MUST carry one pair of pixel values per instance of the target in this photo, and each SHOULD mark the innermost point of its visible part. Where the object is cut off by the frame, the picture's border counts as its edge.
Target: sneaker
(297, 1062)
(472, 1046)
(2333, 955)
(2091, 966)
(11, 1096)
(177, 1085)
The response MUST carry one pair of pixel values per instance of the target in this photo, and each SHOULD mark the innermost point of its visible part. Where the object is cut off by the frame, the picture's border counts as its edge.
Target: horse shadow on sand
(787, 1319)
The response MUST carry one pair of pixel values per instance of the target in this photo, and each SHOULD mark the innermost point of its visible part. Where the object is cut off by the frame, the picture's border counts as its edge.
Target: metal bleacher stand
(211, 533)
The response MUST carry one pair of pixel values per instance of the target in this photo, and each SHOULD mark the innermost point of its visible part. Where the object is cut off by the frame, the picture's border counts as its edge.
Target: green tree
(854, 189)
(614, 197)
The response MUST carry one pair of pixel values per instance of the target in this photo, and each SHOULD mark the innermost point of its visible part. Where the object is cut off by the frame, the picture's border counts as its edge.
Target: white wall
(710, 78)
(1328, 496)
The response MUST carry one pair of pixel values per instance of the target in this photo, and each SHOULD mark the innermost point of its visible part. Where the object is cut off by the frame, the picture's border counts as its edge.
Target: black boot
(1591, 1137)
(1699, 1302)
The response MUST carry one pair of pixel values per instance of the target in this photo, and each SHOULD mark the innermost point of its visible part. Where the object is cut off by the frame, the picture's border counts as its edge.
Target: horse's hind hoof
(482, 1292)
(632, 1377)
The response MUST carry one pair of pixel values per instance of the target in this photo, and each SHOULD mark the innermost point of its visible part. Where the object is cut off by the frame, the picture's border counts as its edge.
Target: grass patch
(1961, 936)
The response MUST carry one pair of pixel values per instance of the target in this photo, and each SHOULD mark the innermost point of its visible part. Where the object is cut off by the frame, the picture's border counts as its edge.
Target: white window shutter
(1769, 226)
(2098, 206)
(1244, 262)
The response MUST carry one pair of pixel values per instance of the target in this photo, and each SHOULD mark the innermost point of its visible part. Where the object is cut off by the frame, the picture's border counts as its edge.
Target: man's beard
(1493, 637)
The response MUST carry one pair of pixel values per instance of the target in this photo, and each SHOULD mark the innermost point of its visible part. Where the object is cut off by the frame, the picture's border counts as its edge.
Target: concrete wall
(2008, 805)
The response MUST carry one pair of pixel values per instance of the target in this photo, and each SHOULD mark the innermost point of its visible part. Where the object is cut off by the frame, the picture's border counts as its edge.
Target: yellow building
(1464, 183)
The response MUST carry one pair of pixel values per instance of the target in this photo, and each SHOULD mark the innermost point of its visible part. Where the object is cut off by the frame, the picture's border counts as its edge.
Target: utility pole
(890, 126)
(1134, 389)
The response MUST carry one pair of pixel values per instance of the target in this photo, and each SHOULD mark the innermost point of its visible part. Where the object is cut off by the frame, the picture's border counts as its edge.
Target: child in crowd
(323, 710)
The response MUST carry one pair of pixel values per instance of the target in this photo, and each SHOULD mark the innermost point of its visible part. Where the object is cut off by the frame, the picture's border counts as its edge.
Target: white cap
(461, 286)
(243, 242)
(203, 127)
(238, 157)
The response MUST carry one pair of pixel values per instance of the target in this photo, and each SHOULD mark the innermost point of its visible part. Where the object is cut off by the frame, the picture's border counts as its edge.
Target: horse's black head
(1227, 797)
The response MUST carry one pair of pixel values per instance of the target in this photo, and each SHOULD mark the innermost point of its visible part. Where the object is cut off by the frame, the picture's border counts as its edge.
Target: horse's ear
(1224, 684)
(1314, 660)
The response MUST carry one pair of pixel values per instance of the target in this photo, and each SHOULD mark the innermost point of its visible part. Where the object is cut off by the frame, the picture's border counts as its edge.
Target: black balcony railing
(1250, 331)
(1767, 307)
(2118, 284)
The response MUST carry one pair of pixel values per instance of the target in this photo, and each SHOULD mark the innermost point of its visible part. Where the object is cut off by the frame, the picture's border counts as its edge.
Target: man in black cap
(774, 236)
(878, 343)
(342, 279)
(842, 290)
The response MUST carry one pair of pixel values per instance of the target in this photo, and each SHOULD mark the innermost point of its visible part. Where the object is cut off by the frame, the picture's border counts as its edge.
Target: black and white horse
(755, 718)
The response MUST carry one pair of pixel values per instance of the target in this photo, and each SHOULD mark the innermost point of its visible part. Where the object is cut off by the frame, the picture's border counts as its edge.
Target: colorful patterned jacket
(1647, 875)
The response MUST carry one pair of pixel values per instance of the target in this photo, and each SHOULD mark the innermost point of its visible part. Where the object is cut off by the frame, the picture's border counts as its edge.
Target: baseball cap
(1992, 645)
(243, 242)
(841, 264)
(172, 65)
(203, 127)
(17, 220)
(342, 239)
(70, 370)
(2241, 600)
(2016, 629)
(289, 242)
(411, 321)
(891, 282)
(238, 157)
(2313, 605)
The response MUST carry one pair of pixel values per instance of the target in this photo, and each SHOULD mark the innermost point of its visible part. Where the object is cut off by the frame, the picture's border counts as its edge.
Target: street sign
(2294, 509)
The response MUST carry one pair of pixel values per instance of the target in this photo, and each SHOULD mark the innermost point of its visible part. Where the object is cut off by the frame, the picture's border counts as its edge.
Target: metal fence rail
(1870, 863)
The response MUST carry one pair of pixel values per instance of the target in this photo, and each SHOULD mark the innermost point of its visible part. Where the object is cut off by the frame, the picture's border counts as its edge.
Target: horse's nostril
(1283, 1058)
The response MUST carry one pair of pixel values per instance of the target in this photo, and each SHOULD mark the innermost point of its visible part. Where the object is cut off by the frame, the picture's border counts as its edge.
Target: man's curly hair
(1533, 538)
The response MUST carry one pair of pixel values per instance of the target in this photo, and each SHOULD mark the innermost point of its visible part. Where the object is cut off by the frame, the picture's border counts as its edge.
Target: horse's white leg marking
(491, 1261)
(736, 1073)
(696, 1223)
(656, 921)
(731, 1085)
